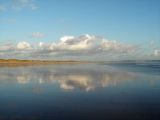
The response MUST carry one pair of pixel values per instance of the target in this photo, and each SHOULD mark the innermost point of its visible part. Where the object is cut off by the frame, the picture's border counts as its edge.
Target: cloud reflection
(67, 77)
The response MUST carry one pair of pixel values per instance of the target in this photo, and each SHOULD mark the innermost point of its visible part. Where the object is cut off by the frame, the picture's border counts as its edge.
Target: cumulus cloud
(71, 46)
(71, 43)
(37, 35)
(21, 4)
(23, 46)
(91, 44)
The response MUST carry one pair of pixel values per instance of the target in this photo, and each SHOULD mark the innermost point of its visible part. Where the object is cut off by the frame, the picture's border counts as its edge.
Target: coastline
(17, 62)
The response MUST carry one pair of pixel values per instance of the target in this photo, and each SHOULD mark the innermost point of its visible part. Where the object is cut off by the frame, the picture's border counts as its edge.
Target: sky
(80, 29)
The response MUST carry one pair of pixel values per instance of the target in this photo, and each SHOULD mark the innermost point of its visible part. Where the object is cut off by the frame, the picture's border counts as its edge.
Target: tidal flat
(96, 91)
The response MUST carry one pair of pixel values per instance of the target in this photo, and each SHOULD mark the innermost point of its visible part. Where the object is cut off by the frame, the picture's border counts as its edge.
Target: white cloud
(156, 52)
(37, 35)
(92, 44)
(65, 38)
(117, 47)
(41, 44)
(23, 46)
(21, 4)
(6, 47)
(72, 43)
(73, 47)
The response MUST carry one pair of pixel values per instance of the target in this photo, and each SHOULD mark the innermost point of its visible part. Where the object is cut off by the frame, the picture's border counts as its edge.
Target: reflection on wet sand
(74, 91)
(91, 81)
(67, 77)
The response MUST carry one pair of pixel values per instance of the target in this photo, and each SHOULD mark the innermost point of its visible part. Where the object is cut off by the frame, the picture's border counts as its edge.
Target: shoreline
(17, 62)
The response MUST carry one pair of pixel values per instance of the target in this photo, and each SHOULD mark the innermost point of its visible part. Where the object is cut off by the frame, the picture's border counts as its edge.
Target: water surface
(81, 92)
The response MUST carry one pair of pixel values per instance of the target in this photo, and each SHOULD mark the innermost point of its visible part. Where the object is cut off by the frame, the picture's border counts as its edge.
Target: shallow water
(80, 92)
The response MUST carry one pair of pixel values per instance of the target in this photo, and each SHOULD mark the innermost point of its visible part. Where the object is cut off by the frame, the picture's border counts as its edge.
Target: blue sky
(129, 22)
